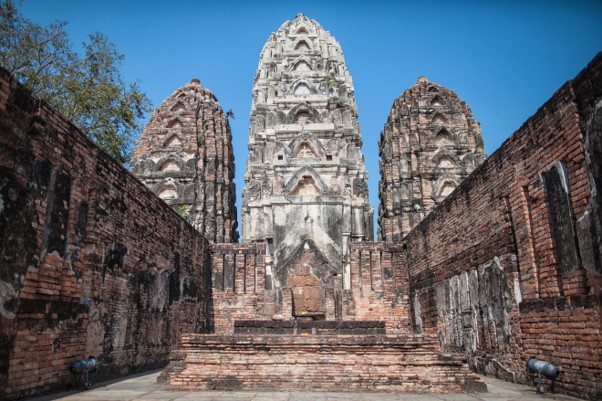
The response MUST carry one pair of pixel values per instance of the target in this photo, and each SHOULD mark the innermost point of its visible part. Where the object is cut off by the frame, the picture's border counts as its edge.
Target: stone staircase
(305, 362)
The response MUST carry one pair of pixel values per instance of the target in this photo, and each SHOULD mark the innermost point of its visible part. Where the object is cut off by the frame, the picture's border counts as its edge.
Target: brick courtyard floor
(145, 387)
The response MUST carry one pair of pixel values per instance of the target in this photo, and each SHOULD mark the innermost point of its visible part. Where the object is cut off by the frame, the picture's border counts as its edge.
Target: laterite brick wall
(93, 264)
(508, 266)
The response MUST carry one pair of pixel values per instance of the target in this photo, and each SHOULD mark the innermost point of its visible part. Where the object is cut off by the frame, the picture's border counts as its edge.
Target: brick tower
(185, 157)
(306, 189)
(430, 143)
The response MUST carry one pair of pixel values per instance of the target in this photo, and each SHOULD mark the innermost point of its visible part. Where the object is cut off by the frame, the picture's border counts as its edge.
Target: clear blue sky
(503, 58)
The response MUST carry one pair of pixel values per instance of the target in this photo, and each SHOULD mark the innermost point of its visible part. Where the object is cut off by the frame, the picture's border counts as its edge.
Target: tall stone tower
(306, 189)
(430, 143)
(185, 156)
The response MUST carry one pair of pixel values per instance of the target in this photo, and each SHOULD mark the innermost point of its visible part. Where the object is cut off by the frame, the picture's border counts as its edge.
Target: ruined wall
(508, 266)
(379, 285)
(238, 272)
(92, 262)
(378, 288)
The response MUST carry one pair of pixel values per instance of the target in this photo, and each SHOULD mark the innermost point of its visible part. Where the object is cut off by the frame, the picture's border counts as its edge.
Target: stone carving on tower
(185, 156)
(305, 182)
(430, 143)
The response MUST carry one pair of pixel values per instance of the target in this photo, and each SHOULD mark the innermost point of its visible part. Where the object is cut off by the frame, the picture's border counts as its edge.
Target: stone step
(318, 327)
(317, 363)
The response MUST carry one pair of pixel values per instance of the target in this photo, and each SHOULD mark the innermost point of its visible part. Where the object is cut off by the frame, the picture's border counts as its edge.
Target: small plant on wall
(184, 211)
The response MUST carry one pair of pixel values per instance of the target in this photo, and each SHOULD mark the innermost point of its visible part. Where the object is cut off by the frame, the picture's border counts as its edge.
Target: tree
(86, 88)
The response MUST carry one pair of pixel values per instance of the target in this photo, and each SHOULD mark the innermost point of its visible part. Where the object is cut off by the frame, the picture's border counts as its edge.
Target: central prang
(306, 182)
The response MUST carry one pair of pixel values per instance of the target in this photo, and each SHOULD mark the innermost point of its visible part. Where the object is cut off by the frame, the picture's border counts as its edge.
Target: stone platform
(375, 363)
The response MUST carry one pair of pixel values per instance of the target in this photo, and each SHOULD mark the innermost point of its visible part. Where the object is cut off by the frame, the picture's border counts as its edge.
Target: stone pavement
(145, 387)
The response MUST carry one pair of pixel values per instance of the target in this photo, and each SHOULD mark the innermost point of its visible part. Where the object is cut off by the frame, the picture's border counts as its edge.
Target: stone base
(318, 363)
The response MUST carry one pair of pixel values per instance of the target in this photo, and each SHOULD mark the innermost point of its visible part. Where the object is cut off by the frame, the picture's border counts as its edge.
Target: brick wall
(238, 272)
(508, 266)
(92, 262)
(379, 285)
(378, 292)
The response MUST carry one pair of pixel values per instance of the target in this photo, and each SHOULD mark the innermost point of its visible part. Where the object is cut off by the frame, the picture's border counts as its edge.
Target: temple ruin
(481, 262)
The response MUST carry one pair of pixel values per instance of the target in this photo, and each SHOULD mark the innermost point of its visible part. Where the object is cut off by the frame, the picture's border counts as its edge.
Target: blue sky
(503, 58)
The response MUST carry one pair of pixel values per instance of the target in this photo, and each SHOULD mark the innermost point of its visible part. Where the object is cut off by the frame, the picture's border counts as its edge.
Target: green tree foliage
(86, 88)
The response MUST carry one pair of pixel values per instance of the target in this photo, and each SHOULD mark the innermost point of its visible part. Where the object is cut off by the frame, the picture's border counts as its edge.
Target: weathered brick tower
(430, 143)
(306, 188)
(185, 157)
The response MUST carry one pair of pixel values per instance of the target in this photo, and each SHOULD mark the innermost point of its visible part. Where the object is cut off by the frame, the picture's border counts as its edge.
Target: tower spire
(305, 157)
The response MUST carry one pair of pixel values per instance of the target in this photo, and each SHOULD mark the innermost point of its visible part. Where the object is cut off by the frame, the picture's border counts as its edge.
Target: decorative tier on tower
(185, 156)
(305, 180)
(430, 143)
